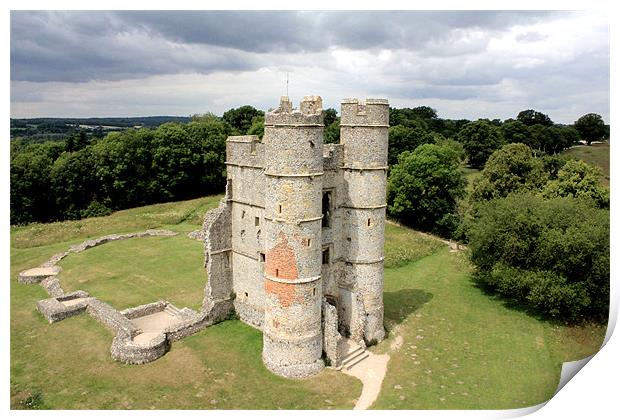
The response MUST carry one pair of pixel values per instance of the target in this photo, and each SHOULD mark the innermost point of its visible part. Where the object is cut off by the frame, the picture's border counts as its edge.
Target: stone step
(352, 355)
(172, 310)
(356, 360)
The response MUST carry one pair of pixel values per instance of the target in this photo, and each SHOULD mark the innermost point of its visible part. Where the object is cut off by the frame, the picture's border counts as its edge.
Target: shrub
(551, 255)
(580, 180)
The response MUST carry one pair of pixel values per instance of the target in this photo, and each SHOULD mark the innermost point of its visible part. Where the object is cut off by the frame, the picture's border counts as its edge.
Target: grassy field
(461, 348)
(596, 154)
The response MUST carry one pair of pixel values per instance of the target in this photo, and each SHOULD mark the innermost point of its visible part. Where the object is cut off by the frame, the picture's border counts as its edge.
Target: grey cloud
(81, 46)
(531, 37)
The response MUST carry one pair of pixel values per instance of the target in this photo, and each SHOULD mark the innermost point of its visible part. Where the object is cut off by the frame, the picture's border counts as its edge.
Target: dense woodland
(537, 223)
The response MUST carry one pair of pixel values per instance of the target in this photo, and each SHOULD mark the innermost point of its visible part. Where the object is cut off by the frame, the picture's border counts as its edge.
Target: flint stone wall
(144, 310)
(126, 351)
(54, 310)
(331, 336)
(52, 287)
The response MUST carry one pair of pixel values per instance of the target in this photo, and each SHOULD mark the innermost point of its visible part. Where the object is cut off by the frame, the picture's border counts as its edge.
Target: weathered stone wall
(144, 310)
(218, 257)
(331, 336)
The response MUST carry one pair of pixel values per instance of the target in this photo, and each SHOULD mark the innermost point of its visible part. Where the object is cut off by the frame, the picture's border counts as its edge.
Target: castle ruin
(296, 246)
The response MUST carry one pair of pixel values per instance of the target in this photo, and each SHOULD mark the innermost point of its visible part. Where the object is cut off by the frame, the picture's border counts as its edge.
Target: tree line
(537, 224)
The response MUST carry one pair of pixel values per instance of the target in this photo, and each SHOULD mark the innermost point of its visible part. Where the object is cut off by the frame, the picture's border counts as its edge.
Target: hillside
(596, 154)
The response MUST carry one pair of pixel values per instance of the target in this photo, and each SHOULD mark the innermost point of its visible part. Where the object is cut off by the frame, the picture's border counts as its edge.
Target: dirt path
(371, 372)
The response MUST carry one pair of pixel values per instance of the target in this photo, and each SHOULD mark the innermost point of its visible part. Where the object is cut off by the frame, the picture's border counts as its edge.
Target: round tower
(292, 337)
(364, 136)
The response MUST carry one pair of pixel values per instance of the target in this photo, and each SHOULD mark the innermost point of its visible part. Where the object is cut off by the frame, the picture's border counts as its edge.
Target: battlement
(372, 112)
(309, 113)
(243, 139)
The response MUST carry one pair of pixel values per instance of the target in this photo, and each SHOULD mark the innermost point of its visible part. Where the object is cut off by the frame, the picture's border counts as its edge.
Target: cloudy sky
(466, 64)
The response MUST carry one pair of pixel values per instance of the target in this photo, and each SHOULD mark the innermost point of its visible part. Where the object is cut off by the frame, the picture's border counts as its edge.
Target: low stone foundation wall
(110, 317)
(144, 310)
(126, 351)
(37, 274)
(125, 347)
(52, 287)
(54, 310)
(89, 243)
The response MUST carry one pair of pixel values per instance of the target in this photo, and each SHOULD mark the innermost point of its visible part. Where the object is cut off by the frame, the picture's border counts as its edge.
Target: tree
(480, 139)
(591, 127)
(530, 117)
(241, 118)
(536, 252)
(424, 187)
(31, 198)
(332, 132)
(329, 116)
(258, 126)
(76, 141)
(580, 180)
(514, 131)
(513, 168)
(423, 117)
(73, 183)
(122, 167)
(403, 139)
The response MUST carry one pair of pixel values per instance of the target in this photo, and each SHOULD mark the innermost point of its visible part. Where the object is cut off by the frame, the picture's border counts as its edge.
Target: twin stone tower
(296, 246)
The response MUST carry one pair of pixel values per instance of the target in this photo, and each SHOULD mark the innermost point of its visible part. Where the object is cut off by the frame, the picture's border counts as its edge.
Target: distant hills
(59, 128)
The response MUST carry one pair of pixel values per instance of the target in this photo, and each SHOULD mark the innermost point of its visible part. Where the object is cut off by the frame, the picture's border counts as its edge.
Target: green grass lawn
(596, 154)
(473, 351)
(140, 270)
(463, 349)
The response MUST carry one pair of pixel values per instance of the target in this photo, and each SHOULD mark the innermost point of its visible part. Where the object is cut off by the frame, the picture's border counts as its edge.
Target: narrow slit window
(326, 256)
(279, 208)
(368, 221)
(326, 209)
(257, 221)
(227, 260)
(246, 294)
(277, 272)
(242, 214)
(314, 291)
(261, 257)
(308, 242)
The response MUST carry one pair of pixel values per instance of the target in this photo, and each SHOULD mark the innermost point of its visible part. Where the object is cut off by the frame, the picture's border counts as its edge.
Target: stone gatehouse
(295, 248)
